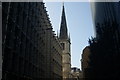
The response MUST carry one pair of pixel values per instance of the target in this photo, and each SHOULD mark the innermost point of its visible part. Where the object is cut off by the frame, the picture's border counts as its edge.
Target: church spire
(63, 26)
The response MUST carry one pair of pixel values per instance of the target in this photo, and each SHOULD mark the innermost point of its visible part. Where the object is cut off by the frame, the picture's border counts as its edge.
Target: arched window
(63, 45)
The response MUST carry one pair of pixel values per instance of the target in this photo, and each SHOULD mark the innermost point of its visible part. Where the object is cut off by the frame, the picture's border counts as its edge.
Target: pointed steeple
(63, 26)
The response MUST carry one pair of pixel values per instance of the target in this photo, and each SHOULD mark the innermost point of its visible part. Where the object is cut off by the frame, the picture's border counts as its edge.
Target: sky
(79, 23)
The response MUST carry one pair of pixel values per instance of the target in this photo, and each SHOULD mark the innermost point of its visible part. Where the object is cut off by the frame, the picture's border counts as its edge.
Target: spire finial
(63, 3)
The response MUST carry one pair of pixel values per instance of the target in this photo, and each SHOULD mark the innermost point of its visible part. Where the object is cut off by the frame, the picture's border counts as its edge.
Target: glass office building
(105, 12)
(105, 48)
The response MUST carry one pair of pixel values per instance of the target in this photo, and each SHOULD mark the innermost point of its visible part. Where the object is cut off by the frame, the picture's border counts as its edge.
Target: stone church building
(65, 42)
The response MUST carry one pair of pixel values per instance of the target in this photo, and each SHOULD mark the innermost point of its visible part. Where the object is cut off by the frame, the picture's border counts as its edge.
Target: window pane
(63, 45)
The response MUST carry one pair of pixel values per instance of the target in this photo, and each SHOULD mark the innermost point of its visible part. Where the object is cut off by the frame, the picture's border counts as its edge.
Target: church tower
(65, 42)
